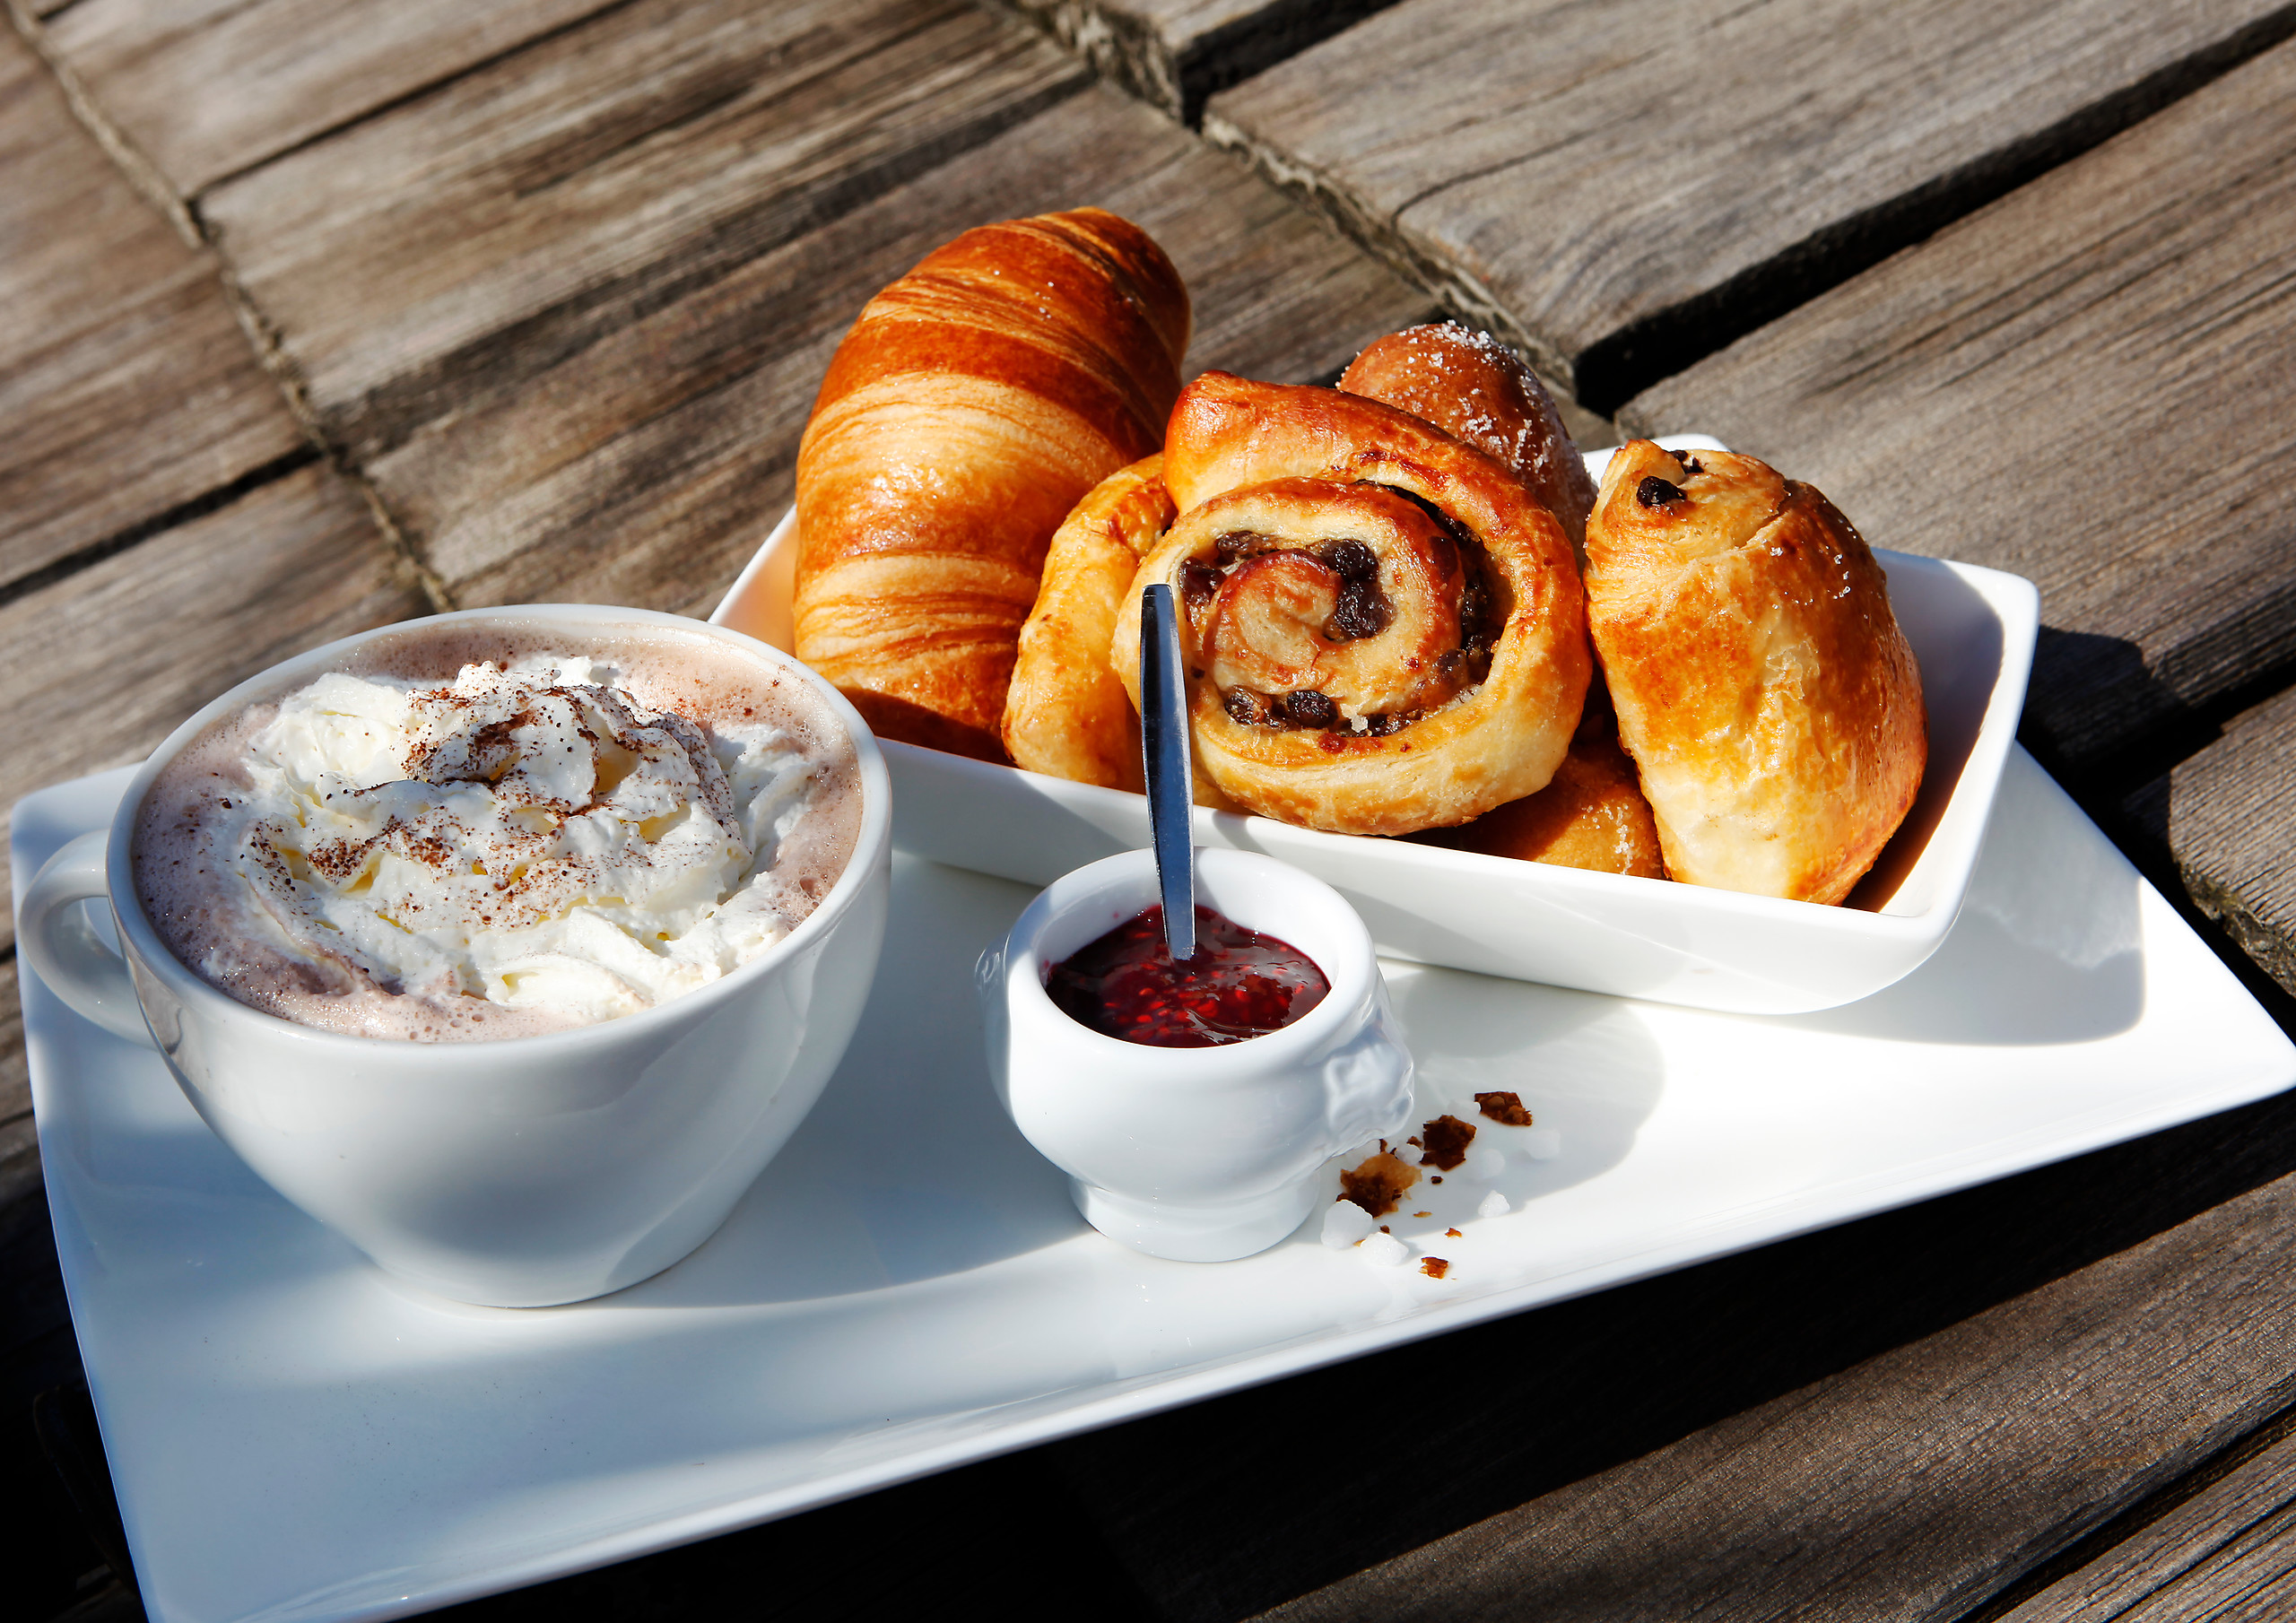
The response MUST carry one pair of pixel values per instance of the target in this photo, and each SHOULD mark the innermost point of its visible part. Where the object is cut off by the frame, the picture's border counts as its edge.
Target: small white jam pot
(1201, 1154)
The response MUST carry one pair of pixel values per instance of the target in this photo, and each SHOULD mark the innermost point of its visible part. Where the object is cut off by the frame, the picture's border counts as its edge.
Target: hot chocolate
(467, 833)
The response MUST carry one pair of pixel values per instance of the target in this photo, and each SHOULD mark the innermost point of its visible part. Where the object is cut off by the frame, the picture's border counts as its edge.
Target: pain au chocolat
(973, 403)
(1763, 688)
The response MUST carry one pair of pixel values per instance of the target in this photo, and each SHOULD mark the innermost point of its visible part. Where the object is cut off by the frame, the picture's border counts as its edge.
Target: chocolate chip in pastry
(1769, 699)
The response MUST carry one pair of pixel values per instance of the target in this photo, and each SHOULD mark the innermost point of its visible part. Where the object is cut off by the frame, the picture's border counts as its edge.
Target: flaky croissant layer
(973, 403)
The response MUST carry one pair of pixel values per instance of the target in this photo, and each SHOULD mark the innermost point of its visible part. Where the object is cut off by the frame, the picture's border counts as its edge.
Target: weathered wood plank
(2228, 817)
(2092, 382)
(1173, 54)
(126, 389)
(489, 230)
(2227, 1551)
(128, 647)
(209, 88)
(1623, 187)
(645, 467)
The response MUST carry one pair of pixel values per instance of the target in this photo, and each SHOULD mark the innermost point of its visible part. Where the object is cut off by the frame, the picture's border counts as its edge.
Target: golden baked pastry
(1066, 713)
(1763, 688)
(1476, 389)
(1591, 815)
(973, 403)
(1384, 631)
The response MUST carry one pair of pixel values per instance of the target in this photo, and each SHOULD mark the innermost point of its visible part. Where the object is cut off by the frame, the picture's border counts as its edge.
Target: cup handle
(63, 948)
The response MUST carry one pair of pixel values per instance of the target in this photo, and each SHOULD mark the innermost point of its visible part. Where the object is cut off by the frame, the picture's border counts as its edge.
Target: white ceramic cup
(1201, 1154)
(518, 1172)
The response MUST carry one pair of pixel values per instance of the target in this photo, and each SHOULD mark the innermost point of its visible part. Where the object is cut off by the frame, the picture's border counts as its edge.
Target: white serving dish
(296, 1439)
(1203, 1155)
(1972, 630)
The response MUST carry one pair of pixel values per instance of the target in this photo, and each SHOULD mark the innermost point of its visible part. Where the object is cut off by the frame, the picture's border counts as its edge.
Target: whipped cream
(530, 835)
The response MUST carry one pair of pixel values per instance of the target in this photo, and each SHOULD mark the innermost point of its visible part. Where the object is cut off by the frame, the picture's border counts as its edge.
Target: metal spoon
(1164, 761)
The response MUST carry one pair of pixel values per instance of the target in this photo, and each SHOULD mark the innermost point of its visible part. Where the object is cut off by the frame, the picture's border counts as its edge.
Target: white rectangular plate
(292, 1435)
(1972, 630)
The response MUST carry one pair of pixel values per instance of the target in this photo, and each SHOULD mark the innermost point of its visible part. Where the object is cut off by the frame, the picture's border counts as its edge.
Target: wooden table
(313, 316)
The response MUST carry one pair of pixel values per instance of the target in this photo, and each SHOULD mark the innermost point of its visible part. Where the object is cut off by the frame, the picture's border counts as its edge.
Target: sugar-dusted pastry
(1763, 688)
(1474, 388)
(1385, 630)
(973, 403)
(1066, 713)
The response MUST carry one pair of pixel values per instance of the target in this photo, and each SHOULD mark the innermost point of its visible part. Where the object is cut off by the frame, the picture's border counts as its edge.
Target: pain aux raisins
(1361, 610)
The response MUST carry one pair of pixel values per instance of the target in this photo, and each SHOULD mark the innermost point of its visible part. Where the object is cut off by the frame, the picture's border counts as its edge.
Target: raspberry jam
(1240, 985)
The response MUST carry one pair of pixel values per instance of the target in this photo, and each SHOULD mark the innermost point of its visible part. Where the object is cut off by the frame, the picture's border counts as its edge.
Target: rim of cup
(1344, 953)
(277, 680)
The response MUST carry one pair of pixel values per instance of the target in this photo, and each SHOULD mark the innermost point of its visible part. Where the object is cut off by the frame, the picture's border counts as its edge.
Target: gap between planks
(1174, 54)
(153, 185)
(2177, 1553)
(1544, 171)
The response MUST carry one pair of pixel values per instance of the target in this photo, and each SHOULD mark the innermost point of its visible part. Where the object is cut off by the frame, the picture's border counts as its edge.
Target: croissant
(1764, 687)
(972, 404)
(1066, 714)
(1384, 631)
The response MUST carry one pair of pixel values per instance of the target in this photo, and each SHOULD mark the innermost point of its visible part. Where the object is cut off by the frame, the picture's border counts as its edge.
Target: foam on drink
(486, 832)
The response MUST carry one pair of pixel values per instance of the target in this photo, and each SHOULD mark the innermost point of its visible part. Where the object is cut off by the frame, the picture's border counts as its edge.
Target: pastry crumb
(1378, 1185)
(1505, 1108)
(1448, 1139)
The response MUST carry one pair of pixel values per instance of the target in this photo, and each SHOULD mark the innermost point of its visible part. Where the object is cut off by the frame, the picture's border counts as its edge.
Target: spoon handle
(1164, 760)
